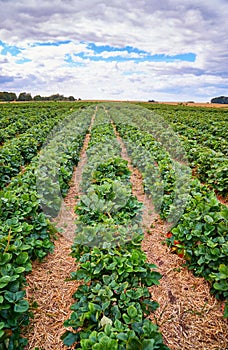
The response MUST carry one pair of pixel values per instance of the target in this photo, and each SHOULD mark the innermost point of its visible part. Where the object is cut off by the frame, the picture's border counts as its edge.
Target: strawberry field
(180, 157)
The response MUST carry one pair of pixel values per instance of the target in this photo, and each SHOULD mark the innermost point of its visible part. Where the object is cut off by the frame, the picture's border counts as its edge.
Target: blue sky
(167, 51)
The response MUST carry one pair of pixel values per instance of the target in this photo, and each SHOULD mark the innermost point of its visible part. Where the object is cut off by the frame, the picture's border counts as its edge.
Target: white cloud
(171, 28)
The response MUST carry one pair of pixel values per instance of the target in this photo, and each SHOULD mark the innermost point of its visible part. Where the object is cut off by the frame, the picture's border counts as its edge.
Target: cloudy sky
(167, 50)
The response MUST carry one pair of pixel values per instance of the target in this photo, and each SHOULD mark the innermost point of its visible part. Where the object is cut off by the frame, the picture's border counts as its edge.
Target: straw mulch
(188, 316)
(48, 288)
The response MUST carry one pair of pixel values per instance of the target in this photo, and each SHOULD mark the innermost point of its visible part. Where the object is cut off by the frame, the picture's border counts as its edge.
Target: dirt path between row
(188, 316)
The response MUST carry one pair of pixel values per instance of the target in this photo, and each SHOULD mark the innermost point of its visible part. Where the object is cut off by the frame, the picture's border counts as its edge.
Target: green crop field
(181, 154)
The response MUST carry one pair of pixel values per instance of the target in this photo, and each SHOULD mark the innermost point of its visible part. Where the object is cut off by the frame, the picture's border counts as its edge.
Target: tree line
(220, 99)
(24, 96)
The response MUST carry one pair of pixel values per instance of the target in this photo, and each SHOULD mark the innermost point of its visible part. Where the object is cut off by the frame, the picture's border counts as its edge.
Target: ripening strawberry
(180, 253)
(169, 235)
(176, 242)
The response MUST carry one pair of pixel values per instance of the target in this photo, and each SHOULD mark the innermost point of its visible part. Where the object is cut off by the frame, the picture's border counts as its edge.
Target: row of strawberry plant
(22, 115)
(210, 167)
(211, 121)
(204, 144)
(25, 232)
(208, 134)
(111, 305)
(200, 235)
(165, 179)
(201, 138)
(19, 151)
(22, 120)
(207, 155)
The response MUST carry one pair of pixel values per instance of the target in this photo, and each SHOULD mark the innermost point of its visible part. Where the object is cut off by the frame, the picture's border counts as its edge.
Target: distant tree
(71, 98)
(37, 98)
(23, 96)
(12, 96)
(220, 99)
(7, 96)
(57, 97)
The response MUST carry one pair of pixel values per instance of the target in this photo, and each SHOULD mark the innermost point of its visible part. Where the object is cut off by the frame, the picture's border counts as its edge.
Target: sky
(167, 50)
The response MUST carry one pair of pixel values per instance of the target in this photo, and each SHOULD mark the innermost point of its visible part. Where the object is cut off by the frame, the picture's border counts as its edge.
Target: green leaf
(148, 344)
(122, 336)
(105, 305)
(211, 244)
(9, 296)
(22, 258)
(19, 295)
(134, 344)
(223, 269)
(221, 285)
(106, 279)
(19, 269)
(208, 219)
(4, 281)
(22, 306)
(1, 333)
(69, 338)
(149, 328)
(132, 311)
(126, 319)
(118, 325)
(5, 258)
